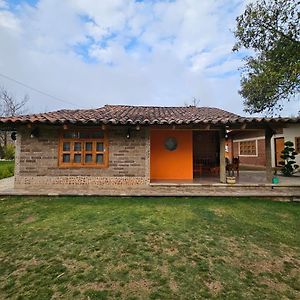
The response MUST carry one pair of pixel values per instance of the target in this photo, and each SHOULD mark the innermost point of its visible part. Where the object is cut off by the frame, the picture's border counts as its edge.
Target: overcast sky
(95, 52)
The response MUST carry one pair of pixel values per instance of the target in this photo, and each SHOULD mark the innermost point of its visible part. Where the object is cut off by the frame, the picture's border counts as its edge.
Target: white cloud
(122, 51)
(3, 4)
(8, 21)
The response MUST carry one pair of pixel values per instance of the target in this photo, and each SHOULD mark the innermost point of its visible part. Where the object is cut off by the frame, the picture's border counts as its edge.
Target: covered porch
(198, 156)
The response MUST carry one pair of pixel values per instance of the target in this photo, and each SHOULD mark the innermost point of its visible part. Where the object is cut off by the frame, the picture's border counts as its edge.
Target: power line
(37, 90)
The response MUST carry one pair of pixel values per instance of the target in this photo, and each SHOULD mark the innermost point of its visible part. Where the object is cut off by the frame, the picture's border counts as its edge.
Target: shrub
(9, 152)
(289, 166)
(6, 169)
(1, 151)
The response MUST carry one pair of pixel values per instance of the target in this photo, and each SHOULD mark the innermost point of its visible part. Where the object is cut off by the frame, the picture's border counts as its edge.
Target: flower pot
(231, 180)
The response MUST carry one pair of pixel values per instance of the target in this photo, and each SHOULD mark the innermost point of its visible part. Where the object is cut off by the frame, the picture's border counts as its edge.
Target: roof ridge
(158, 106)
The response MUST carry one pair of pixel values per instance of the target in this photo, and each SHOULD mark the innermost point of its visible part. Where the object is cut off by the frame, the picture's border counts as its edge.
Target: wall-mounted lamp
(137, 127)
(13, 135)
(226, 132)
(34, 133)
(128, 134)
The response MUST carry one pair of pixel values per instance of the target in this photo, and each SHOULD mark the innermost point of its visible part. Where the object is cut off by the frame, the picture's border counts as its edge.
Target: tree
(289, 166)
(10, 106)
(271, 29)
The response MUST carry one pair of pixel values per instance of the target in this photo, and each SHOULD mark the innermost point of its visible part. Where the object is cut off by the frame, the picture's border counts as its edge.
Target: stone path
(7, 184)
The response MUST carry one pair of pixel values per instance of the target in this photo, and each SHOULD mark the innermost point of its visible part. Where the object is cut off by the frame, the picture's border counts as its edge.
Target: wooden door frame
(275, 150)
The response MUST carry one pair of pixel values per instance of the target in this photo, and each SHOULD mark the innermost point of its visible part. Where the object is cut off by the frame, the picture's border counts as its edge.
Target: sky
(88, 53)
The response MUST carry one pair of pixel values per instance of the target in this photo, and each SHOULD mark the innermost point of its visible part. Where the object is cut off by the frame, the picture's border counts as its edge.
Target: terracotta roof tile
(122, 114)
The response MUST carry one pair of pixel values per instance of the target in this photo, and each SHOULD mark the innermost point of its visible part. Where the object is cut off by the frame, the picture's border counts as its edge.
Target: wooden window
(83, 148)
(297, 144)
(248, 148)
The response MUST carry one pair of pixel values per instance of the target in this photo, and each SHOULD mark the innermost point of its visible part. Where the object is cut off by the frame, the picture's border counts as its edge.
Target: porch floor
(287, 189)
(255, 177)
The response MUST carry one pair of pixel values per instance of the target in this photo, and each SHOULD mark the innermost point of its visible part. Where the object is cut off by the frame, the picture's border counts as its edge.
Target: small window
(83, 148)
(248, 148)
(297, 144)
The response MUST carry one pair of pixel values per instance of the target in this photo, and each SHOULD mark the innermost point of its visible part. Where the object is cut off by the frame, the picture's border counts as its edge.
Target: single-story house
(249, 146)
(128, 145)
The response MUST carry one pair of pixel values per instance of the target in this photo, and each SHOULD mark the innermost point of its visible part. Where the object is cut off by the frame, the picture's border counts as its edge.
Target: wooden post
(222, 156)
(268, 136)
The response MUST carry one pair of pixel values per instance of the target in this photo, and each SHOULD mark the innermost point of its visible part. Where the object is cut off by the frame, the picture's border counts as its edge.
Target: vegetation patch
(7, 169)
(148, 248)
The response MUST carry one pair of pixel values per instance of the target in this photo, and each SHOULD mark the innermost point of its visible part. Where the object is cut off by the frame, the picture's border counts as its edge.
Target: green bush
(288, 155)
(9, 152)
(1, 151)
(6, 169)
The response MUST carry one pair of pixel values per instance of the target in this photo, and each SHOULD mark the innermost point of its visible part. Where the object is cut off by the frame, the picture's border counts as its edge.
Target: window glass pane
(84, 135)
(66, 158)
(88, 158)
(88, 146)
(99, 147)
(99, 158)
(98, 134)
(70, 135)
(77, 158)
(77, 146)
(66, 146)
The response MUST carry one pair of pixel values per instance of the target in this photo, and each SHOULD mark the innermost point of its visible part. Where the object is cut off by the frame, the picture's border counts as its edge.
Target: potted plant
(289, 166)
(231, 179)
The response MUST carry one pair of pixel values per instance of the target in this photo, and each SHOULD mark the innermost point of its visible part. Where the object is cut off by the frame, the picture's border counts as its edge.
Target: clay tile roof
(123, 114)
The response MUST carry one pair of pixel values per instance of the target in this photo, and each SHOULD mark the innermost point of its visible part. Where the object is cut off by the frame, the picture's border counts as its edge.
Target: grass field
(6, 169)
(148, 248)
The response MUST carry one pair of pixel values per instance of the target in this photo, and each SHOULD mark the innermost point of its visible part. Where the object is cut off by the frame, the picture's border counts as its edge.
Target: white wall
(290, 133)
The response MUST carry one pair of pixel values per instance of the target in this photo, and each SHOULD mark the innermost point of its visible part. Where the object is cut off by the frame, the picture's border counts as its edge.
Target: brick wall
(259, 160)
(37, 160)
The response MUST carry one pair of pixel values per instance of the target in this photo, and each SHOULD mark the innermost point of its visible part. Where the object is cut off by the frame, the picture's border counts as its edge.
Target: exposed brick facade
(37, 160)
(259, 160)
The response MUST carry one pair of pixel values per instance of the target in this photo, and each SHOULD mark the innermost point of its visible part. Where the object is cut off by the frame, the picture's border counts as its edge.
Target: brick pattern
(38, 157)
(259, 160)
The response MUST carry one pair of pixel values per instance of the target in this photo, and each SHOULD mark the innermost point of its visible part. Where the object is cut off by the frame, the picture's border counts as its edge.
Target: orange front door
(171, 164)
(279, 146)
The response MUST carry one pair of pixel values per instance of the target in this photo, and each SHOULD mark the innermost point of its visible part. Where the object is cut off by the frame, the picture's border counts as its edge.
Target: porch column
(222, 156)
(268, 136)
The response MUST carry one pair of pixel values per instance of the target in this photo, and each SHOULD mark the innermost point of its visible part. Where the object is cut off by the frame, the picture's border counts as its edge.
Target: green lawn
(148, 248)
(7, 169)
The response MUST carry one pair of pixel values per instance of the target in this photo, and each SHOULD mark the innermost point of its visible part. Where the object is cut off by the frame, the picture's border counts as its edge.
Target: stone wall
(37, 160)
